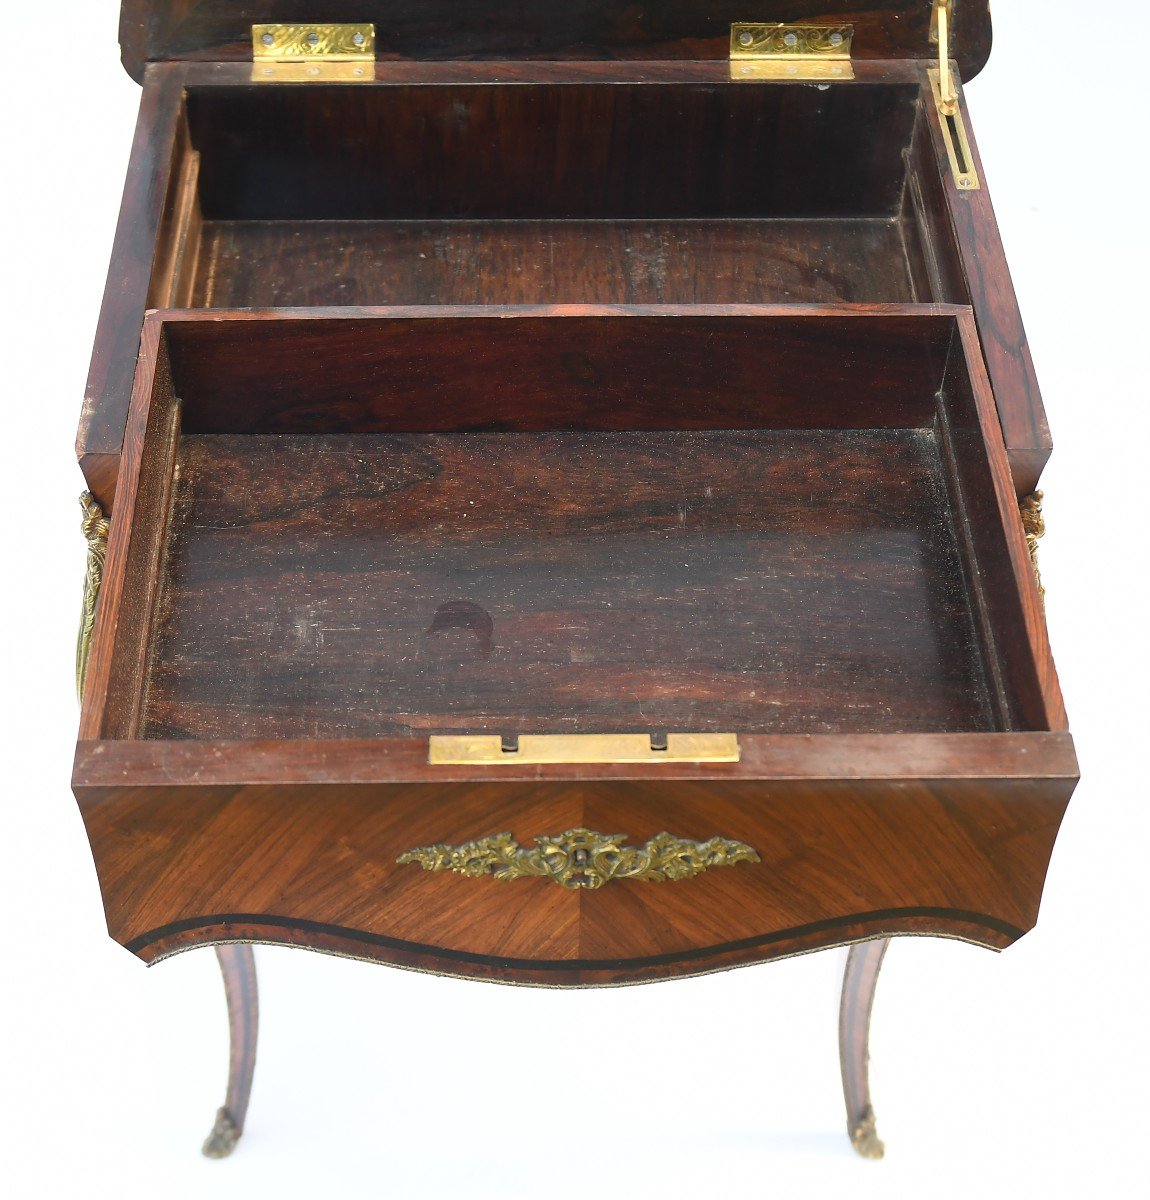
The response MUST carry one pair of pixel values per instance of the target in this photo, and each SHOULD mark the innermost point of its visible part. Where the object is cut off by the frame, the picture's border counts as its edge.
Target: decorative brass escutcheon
(581, 858)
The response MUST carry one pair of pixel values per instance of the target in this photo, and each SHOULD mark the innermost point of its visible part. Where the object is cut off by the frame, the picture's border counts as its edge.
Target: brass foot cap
(865, 1138)
(224, 1136)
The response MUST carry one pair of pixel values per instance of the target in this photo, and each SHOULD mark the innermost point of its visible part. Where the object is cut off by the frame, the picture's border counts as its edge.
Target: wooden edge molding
(975, 928)
(864, 312)
(1052, 713)
(774, 757)
(1002, 341)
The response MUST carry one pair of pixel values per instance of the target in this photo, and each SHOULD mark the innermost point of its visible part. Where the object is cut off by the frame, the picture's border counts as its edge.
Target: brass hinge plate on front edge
(791, 52)
(534, 749)
(313, 53)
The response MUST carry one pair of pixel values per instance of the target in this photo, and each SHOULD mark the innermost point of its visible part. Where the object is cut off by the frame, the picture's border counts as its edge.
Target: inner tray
(584, 192)
(440, 520)
(359, 585)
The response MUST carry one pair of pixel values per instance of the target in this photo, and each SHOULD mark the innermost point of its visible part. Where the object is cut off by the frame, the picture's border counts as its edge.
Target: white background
(993, 1075)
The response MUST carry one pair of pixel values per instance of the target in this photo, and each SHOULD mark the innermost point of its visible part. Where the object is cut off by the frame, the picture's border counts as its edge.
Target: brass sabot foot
(865, 1138)
(224, 1136)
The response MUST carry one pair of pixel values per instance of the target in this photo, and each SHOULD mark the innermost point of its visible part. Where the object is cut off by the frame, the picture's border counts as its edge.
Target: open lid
(220, 30)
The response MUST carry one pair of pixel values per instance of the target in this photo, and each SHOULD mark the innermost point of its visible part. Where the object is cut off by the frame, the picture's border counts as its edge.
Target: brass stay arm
(947, 92)
(944, 85)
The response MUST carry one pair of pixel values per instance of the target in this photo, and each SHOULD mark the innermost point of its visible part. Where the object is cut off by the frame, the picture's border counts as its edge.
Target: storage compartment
(667, 521)
(337, 536)
(535, 193)
(530, 184)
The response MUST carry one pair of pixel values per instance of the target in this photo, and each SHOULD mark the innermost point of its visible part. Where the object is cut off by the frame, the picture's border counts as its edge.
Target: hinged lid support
(940, 33)
(794, 52)
(954, 138)
(944, 88)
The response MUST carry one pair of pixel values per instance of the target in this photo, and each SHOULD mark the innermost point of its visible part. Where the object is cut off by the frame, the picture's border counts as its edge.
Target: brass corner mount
(94, 525)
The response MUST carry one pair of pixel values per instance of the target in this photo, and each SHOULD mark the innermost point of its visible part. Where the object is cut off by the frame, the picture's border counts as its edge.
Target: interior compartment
(673, 521)
(562, 582)
(333, 195)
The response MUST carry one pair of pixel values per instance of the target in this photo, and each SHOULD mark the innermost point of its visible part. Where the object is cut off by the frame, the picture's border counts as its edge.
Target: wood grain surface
(451, 369)
(100, 437)
(184, 864)
(978, 245)
(535, 151)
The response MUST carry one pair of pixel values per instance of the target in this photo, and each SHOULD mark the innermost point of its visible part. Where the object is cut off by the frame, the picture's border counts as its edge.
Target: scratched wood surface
(269, 264)
(359, 585)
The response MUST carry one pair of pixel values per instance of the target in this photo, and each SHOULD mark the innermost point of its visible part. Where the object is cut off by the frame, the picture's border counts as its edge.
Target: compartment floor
(268, 264)
(373, 585)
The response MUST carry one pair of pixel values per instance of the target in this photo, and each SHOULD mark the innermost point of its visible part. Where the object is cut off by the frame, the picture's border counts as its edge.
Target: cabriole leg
(859, 981)
(238, 965)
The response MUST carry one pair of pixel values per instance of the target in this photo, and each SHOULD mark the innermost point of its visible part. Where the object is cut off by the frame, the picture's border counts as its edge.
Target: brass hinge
(306, 53)
(793, 52)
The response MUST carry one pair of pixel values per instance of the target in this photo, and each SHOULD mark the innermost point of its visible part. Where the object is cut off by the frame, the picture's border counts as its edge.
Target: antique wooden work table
(563, 466)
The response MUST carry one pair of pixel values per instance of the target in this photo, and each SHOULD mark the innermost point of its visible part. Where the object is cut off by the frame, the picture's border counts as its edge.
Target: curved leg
(238, 965)
(859, 981)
